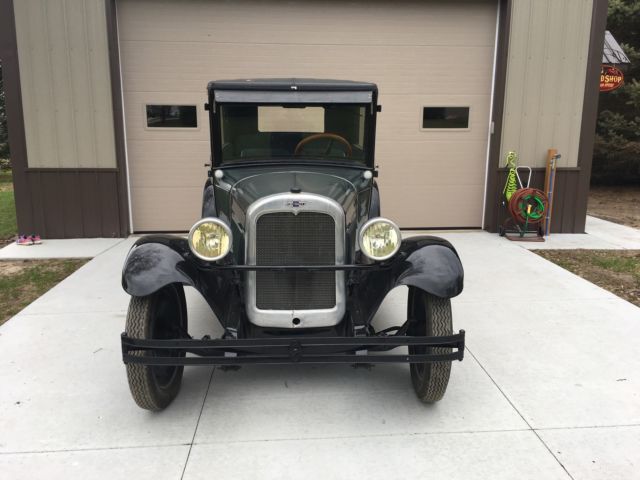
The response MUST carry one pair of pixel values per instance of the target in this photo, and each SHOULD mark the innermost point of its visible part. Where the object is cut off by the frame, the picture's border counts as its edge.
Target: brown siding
(590, 111)
(60, 203)
(118, 116)
(15, 121)
(72, 203)
(572, 185)
(491, 201)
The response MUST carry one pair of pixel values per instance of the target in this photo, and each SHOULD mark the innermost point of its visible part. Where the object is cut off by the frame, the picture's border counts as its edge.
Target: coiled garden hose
(528, 206)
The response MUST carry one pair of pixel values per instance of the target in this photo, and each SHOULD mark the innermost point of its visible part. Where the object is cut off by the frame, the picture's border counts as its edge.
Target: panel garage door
(420, 53)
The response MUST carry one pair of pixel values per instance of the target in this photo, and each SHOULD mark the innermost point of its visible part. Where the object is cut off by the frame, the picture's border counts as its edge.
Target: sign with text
(610, 78)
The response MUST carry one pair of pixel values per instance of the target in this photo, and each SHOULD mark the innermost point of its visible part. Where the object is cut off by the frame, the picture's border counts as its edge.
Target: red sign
(610, 78)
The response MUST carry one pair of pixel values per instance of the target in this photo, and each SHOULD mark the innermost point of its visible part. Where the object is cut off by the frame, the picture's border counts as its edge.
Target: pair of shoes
(24, 240)
(29, 240)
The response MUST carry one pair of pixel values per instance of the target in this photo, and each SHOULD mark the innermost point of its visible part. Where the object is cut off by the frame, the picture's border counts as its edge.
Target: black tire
(163, 314)
(432, 317)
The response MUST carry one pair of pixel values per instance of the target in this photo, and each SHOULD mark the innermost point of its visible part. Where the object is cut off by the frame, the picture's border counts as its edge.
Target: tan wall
(437, 53)
(66, 90)
(548, 47)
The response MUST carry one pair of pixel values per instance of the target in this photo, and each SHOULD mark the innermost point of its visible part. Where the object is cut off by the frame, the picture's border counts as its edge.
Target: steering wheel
(332, 139)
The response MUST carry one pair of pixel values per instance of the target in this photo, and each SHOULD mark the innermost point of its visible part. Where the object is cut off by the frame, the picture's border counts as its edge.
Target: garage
(432, 61)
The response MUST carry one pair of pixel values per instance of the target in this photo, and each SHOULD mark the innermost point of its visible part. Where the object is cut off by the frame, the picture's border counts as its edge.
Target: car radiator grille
(307, 238)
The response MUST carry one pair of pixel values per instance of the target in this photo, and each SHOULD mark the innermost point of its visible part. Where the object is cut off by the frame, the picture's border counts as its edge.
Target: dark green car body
(300, 154)
(241, 186)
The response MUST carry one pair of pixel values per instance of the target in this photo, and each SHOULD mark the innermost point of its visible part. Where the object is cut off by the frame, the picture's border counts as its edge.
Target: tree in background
(4, 142)
(616, 156)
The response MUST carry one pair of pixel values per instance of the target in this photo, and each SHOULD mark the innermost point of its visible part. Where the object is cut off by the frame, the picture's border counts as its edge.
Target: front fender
(425, 262)
(159, 260)
(151, 266)
(432, 265)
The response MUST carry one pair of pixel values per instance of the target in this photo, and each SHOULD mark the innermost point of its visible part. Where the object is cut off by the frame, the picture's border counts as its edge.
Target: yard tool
(549, 185)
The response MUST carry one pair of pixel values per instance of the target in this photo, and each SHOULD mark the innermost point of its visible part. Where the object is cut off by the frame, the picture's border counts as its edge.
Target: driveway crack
(195, 430)
(520, 414)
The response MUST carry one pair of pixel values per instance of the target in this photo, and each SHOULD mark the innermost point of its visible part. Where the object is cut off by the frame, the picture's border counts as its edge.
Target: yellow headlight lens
(380, 239)
(210, 239)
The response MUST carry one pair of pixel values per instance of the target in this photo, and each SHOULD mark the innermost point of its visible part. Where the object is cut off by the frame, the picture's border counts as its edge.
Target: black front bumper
(284, 350)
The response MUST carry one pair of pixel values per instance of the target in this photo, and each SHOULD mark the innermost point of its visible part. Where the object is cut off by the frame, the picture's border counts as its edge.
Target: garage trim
(122, 159)
(490, 214)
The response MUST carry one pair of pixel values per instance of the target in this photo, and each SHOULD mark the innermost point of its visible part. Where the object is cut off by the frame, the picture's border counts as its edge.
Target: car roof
(289, 84)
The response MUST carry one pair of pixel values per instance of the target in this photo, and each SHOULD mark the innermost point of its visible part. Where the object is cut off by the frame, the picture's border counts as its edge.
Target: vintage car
(291, 252)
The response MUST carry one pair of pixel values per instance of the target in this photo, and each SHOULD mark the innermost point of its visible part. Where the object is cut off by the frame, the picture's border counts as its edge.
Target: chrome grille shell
(268, 316)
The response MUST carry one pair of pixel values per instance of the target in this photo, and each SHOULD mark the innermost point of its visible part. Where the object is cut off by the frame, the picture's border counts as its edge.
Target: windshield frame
(371, 110)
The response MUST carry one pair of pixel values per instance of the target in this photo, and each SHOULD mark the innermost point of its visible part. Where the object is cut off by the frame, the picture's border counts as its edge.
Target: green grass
(8, 225)
(616, 270)
(629, 265)
(21, 282)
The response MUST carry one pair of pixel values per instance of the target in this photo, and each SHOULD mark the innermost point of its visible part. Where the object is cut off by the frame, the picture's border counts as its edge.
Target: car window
(267, 132)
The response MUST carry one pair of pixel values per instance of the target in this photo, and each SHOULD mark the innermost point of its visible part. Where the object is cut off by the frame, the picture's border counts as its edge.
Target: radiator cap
(295, 190)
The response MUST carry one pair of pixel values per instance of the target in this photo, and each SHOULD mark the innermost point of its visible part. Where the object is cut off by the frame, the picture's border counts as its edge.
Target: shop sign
(610, 78)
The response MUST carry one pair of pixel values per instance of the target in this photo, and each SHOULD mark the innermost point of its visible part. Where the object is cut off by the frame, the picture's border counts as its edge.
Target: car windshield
(276, 132)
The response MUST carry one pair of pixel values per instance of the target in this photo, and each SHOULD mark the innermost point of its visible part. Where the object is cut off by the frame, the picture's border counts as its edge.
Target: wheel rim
(167, 308)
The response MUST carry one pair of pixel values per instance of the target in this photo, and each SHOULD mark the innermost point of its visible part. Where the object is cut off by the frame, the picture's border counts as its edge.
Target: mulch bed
(615, 270)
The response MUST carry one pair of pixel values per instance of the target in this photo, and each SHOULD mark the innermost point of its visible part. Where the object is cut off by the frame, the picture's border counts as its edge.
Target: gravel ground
(617, 204)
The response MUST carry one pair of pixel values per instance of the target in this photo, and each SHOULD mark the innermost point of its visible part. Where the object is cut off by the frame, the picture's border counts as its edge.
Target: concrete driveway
(549, 388)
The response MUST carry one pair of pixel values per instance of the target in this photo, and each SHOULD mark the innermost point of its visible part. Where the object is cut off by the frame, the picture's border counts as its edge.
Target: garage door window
(445, 118)
(172, 116)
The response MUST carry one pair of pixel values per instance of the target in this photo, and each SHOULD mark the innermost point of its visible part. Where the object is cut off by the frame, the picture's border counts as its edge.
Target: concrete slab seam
(91, 449)
(519, 413)
(195, 430)
(588, 427)
(111, 247)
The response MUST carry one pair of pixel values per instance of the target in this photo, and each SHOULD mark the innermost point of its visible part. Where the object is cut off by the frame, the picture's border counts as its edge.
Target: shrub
(616, 153)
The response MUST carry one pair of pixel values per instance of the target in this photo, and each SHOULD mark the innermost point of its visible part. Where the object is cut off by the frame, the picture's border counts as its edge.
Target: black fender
(425, 262)
(159, 260)
(208, 201)
(432, 265)
(374, 206)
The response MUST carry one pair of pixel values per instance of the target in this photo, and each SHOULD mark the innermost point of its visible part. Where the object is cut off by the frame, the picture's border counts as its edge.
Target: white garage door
(431, 54)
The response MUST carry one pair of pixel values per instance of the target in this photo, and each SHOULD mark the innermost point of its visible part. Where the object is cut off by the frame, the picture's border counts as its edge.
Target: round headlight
(379, 239)
(210, 239)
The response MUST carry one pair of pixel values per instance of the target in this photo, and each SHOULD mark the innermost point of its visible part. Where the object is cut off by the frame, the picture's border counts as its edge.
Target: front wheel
(161, 315)
(431, 316)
